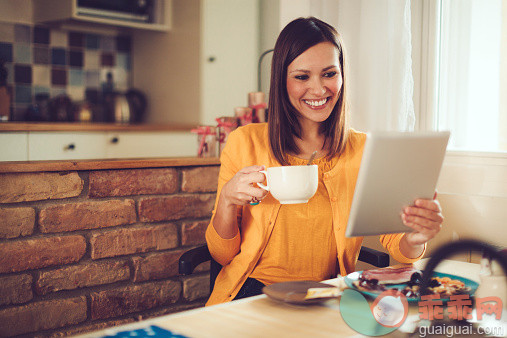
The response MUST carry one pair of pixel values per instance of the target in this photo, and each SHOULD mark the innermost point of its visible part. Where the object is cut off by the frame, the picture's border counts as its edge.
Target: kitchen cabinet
(204, 67)
(84, 145)
(65, 145)
(13, 146)
(68, 12)
(152, 144)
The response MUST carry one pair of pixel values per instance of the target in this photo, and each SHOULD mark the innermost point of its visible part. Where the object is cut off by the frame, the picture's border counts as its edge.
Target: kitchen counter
(80, 165)
(81, 126)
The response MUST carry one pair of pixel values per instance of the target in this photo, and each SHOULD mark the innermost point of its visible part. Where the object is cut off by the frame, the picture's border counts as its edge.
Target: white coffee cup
(291, 184)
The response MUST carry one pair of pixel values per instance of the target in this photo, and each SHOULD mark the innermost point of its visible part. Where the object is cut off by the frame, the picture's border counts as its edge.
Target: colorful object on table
(207, 139)
(256, 101)
(225, 125)
(150, 331)
(245, 115)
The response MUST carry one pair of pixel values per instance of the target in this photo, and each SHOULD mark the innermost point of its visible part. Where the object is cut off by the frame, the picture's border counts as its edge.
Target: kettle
(126, 107)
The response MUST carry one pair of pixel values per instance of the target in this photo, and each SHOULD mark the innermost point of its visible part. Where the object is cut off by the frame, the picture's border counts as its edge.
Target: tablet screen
(396, 169)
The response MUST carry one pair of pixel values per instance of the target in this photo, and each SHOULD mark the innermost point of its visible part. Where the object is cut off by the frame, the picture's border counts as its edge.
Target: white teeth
(316, 103)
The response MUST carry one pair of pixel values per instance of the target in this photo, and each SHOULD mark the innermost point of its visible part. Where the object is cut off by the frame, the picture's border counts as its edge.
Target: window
(471, 74)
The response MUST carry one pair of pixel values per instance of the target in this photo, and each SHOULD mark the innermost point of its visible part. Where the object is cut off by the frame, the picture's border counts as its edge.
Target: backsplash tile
(22, 33)
(76, 39)
(41, 76)
(41, 35)
(76, 77)
(23, 94)
(59, 38)
(58, 77)
(58, 56)
(92, 41)
(23, 74)
(76, 58)
(43, 59)
(7, 32)
(22, 53)
(41, 55)
(6, 52)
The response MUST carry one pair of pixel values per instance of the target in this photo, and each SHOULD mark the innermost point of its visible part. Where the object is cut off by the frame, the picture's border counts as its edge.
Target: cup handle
(265, 187)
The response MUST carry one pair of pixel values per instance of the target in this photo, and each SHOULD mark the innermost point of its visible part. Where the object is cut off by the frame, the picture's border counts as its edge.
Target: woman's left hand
(425, 218)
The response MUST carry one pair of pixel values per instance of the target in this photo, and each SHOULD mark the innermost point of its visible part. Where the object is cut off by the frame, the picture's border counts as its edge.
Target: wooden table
(262, 317)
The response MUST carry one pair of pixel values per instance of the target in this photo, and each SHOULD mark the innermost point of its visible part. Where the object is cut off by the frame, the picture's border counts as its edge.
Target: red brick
(22, 187)
(196, 287)
(82, 275)
(15, 222)
(156, 209)
(87, 215)
(42, 316)
(156, 266)
(192, 233)
(133, 182)
(133, 298)
(200, 179)
(15, 289)
(133, 240)
(39, 253)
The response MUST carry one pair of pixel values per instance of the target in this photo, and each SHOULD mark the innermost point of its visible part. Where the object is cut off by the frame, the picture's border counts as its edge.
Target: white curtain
(377, 37)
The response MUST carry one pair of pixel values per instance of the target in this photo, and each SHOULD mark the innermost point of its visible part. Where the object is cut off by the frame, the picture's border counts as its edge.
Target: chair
(193, 257)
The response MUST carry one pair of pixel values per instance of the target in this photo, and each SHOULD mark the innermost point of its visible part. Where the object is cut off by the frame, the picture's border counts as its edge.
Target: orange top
(289, 254)
(239, 256)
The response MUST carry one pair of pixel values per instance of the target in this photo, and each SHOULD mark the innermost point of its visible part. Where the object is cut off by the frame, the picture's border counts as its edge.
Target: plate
(295, 292)
(354, 276)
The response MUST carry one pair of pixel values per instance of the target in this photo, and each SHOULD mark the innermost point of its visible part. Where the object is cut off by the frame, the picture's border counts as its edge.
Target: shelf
(63, 126)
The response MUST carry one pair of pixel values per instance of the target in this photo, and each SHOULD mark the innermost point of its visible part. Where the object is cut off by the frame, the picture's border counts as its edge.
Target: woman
(268, 243)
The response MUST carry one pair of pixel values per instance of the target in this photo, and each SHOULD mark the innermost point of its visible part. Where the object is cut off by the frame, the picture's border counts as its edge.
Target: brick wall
(81, 251)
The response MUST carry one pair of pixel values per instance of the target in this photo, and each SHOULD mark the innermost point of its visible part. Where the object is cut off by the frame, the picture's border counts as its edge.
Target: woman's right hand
(241, 189)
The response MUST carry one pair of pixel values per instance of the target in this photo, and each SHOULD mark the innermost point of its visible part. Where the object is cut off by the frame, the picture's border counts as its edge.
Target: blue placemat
(150, 331)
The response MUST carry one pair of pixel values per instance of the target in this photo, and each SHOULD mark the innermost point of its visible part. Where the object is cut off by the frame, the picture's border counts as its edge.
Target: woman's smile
(317, 104)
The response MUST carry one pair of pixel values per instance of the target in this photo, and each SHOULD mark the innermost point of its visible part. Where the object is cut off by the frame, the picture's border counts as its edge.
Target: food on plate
(391, 275)
(376, 281)
(322, 293)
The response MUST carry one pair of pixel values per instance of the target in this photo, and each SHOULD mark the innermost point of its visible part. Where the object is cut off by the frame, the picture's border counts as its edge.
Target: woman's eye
(330, 74)
(301, 77)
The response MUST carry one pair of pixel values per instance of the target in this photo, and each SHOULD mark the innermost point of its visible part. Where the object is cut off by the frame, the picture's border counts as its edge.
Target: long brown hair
(283, 123)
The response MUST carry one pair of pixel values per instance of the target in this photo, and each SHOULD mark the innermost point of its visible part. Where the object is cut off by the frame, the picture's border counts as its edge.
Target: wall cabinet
(204, 67)
(68, 12)
(37, 146)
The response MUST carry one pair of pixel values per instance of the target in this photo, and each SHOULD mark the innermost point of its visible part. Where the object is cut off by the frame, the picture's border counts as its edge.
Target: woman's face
(314, 81)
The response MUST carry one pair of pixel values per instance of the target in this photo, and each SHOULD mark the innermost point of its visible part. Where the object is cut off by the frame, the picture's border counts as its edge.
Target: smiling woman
(270, 243)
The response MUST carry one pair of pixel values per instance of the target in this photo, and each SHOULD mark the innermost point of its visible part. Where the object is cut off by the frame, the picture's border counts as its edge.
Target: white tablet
(396, 169)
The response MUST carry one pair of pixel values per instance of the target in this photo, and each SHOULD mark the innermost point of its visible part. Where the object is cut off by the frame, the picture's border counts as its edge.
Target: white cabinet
(81, 145)
(204, 67)
(152, 144)
(68, 12)
(65, 145)
(13, 146)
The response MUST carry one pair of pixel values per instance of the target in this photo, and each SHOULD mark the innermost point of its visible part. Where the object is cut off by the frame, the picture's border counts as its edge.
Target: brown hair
(283, 123)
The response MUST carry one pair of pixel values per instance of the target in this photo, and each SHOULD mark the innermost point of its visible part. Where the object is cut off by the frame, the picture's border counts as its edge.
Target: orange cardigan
(249, 145)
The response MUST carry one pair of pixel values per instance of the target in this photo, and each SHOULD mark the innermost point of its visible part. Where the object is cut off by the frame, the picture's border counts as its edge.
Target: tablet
(396, 169)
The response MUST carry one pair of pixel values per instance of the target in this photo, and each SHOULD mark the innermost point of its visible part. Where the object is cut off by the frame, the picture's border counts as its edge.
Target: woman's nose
(317, 87)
